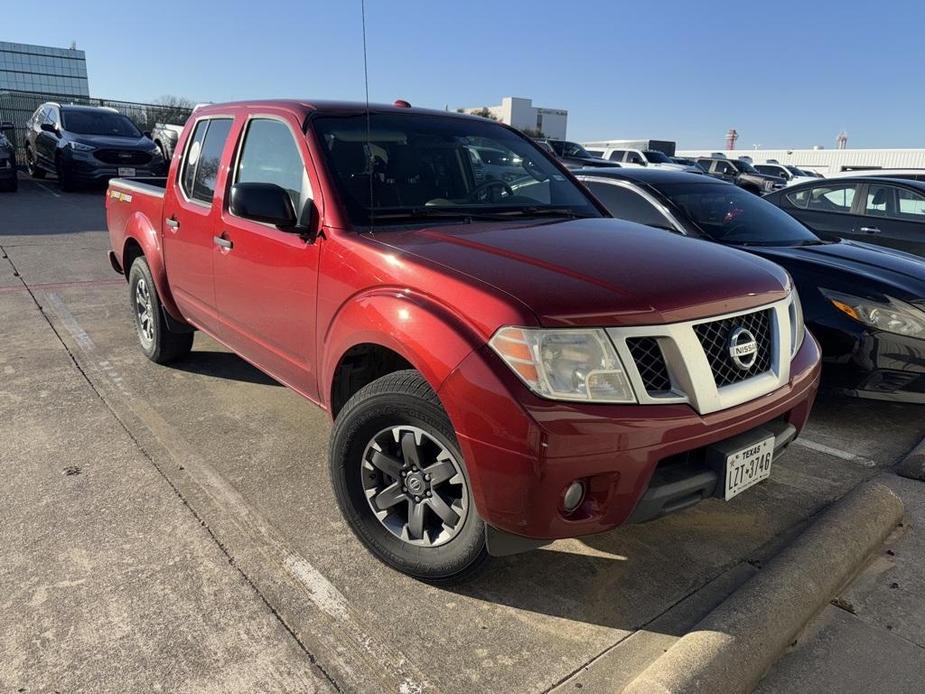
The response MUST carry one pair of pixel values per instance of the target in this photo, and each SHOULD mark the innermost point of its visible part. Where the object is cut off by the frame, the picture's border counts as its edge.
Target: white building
(523, 115)
(826, 161)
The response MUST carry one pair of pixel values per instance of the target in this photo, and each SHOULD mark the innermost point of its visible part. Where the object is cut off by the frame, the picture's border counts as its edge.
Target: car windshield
(405, 168)
(795, 171)
(734, 216)
(743, 165)
(568, 149)
(98, 123)
(656, 157)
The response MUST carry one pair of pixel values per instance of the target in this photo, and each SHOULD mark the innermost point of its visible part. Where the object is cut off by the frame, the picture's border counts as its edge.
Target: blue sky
(784, 73)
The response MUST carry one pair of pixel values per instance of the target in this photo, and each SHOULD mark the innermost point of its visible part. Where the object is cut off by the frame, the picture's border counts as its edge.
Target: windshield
(569, 149)
(743, 165)
(98, 123)
(731, 215)
(415, 165)
(657, 157)
(795, 171)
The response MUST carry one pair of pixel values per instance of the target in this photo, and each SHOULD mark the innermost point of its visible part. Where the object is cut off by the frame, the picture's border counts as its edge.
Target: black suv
(8, 180)
(743, 174)
(87, 145)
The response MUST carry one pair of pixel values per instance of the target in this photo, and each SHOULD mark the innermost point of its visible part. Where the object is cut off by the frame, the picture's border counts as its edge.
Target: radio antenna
(369, 149)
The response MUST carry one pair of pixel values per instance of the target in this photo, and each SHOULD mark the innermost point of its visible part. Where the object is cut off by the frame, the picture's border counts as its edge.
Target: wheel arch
(141, 240)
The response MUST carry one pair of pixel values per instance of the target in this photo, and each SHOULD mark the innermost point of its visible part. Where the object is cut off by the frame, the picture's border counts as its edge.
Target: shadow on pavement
(223, 365)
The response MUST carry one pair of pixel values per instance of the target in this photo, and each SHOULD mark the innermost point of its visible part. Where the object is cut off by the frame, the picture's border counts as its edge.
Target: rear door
(892, 216)
(265, 278)
(191, 216)
(828, 209)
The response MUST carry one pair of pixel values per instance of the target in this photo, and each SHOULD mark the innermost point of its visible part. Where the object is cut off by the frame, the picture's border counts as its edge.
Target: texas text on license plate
(126, 171)
(748, 466)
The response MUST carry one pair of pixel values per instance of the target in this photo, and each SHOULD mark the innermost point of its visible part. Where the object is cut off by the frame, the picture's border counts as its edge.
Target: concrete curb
(913, 465)
(735, 645)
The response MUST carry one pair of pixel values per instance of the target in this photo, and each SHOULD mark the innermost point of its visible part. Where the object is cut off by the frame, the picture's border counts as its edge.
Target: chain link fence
(18, 107)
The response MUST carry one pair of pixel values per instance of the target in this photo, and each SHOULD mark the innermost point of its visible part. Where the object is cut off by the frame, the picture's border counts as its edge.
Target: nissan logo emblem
(743, 349)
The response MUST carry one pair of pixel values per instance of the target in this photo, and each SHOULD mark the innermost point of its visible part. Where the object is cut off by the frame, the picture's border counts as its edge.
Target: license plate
(748, 466)
(126, 171)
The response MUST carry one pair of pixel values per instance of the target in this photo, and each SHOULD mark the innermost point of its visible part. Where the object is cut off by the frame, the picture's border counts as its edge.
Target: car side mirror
(49, 127)
(263, 202)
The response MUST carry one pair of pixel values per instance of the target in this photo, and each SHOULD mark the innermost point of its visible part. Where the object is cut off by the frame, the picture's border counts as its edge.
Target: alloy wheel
(415, 486)
(144, 312)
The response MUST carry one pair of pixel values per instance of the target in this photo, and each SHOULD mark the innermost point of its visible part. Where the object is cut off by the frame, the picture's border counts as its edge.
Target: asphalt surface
(197, 545)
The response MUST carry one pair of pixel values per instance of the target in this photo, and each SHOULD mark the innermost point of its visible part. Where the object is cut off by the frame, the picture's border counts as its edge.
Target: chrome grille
(650, 362)
(714, 337)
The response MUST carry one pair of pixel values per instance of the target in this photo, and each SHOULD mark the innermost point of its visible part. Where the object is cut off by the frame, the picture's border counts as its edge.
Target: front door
(265, 278)
(190, 218)
(828, 209)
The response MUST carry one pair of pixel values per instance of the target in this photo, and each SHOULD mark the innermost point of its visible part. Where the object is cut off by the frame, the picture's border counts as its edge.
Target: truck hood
(600, 272)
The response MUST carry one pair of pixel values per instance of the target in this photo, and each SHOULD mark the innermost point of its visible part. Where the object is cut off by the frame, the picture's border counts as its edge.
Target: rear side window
(271, 155)
(832, 198)
(203, 156)
(910, 205)
(624, 203)
(799, 198)
(617, 155)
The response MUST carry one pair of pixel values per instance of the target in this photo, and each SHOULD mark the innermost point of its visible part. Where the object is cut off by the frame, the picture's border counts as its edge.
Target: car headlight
(797, 325)
(565, 364)
(81, 147)
(892, 315)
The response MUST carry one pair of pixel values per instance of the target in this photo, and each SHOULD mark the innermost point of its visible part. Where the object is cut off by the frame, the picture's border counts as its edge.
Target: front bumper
(872, 364)
(84, 168)
(522, 451)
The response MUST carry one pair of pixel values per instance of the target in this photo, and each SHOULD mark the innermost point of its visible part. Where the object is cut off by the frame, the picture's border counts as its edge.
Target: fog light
(574, 495)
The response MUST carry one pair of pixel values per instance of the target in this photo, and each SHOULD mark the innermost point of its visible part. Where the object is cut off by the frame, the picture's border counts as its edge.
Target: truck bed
(134, 205)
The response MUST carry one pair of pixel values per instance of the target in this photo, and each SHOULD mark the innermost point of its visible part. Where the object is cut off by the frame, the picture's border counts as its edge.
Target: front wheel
(158, 342)
(401, 482)
(32, 165)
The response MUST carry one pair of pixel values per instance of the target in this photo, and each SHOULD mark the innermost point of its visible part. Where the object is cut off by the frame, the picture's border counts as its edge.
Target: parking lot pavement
(248, 458)
(872, 636)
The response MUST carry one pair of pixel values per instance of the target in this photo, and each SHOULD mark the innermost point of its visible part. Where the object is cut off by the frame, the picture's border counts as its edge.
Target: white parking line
(836, 452)
(47, 189)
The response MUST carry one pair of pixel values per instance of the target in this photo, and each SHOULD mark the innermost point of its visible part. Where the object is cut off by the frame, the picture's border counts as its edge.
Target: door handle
(870, 230)
(223, 242)
(173, 224)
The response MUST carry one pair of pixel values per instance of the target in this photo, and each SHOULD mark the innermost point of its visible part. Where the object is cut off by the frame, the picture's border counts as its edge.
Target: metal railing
(18, 108)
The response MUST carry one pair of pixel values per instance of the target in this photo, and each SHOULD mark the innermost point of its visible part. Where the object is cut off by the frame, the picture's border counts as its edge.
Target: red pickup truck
(504, 364)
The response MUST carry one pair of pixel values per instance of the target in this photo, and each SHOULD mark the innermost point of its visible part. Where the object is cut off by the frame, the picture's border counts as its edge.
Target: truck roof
(306, 106)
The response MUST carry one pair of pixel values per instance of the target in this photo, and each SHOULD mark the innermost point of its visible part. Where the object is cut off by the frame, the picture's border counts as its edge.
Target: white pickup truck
(641, 157)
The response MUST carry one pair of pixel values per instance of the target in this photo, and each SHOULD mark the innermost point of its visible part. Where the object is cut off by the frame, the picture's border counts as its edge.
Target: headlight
(565, 364)
(797, 326)
(80, 147)
(892, 315)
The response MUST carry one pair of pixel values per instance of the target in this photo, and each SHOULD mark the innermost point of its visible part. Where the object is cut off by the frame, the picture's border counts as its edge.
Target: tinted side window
(725, 168)
(798, 199)
(635, 158)
(705, 163)
(879, 201)
(617, 155)
(270, 155)
(623, 203)
(910, 205)
(210, 158)
(193, 150)
(834, 198)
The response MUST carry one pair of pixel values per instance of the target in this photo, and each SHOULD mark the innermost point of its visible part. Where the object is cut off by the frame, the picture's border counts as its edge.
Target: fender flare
(428, 335)
(139, 229)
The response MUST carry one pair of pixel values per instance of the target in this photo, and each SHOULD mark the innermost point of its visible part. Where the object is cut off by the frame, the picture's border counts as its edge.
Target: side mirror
(49, 127)
(263, 202)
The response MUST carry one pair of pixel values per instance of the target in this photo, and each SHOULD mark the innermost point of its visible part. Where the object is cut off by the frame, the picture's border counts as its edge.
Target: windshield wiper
(416, 213)
(535, 211)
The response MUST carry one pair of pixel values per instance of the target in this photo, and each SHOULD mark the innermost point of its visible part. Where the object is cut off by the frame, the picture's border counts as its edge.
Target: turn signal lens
(565, 364)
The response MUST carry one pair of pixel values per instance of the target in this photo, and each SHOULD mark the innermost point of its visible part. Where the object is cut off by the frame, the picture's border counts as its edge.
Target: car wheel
(401, 482)
(160, 344)
(32, 165)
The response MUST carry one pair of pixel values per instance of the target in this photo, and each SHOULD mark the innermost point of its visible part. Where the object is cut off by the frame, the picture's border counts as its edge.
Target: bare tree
(174, 109)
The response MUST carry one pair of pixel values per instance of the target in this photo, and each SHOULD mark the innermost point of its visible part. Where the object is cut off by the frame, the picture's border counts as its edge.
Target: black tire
(32, 165)
(402, 399)
(158, 342)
